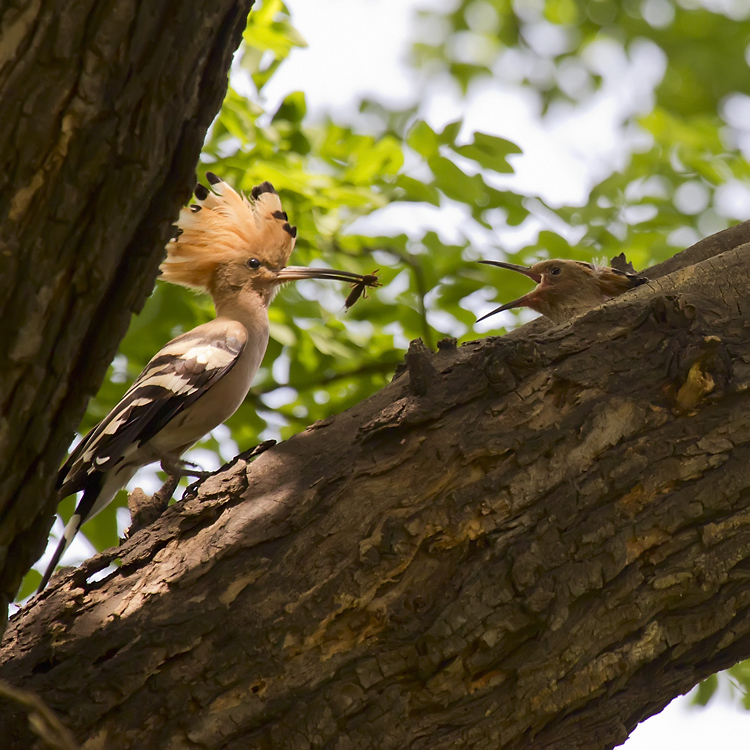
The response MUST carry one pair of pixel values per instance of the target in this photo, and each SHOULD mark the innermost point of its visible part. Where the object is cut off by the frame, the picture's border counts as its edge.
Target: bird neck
(246, 306)
(560, 304)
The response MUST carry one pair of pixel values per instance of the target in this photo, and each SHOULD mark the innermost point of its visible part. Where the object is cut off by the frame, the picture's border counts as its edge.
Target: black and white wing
(183, 371)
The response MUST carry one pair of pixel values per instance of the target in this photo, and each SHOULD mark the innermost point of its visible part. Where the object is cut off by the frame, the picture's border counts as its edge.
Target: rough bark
(533, 541)
(105, 107)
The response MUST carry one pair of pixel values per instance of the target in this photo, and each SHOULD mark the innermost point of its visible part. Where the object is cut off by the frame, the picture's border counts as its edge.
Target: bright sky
(360, 48)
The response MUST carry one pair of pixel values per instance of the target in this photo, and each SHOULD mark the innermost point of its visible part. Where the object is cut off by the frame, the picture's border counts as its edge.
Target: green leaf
(705, 690)
(455, 183)
(414, 190)
(423, 139)
(489, 151)
(293, 108)
(450, 132)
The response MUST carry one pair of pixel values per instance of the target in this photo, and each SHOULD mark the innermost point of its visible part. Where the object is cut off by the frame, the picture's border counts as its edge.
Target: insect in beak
(359, 288)
(359, 281)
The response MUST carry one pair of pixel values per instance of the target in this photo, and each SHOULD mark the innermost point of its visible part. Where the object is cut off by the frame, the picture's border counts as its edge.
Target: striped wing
(175, 378)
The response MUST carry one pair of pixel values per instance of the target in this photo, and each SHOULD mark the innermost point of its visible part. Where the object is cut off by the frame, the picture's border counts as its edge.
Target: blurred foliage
(735, 681)
(331, 174)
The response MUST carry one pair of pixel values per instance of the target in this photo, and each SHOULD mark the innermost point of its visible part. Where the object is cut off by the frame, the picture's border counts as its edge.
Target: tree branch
(545, 540)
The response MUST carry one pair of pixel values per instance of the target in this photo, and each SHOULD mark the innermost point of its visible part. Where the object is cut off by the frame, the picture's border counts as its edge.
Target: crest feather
(224, 226)
(613, 281)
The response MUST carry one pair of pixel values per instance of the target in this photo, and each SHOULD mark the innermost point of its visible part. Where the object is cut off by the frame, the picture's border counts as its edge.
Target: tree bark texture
(105, 107)
(530, 541)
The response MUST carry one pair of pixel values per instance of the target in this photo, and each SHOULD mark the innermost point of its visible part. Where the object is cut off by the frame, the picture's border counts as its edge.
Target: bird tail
(222, 226)
(97, 493)
(71, 529)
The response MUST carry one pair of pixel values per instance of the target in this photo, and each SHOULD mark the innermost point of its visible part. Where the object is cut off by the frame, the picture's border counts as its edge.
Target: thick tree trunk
(105, 107)
(533, 541)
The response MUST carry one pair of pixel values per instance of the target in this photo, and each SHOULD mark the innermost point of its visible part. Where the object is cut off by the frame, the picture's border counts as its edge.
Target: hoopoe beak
(521, 301)
(296, 273)
(358, 281)
(537, 277)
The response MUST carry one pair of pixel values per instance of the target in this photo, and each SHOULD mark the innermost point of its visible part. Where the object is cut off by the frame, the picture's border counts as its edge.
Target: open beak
(521, 301)
(537, 277)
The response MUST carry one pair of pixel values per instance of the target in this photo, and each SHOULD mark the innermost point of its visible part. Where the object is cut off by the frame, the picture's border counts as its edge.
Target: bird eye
(253, 263)
(555, 271)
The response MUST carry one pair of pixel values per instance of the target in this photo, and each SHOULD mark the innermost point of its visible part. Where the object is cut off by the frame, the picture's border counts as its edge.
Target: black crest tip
(264, 187)
(212, 178)
(201, 192)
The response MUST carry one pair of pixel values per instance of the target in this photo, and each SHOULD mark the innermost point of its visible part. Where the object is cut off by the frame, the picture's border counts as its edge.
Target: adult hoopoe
(566, 288)
(236, 250)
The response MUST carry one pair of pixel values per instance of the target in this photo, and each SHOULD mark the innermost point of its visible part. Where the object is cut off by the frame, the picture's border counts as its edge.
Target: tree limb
(538, 546)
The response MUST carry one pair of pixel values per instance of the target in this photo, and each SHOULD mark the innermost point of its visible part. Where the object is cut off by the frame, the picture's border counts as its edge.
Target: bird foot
(175, 467)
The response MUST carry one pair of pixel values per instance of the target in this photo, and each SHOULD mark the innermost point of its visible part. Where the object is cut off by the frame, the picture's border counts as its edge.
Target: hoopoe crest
(223, 227)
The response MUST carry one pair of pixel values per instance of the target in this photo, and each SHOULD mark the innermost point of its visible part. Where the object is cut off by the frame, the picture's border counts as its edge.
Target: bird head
(227, 242)
(565, 288)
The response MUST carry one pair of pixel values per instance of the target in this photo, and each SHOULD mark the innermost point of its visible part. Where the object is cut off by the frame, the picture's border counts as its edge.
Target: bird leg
(176, 467)
(144, 510)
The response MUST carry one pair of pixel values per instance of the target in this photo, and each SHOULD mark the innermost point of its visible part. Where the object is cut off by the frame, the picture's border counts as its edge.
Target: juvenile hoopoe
(566, 288)
(236, 250)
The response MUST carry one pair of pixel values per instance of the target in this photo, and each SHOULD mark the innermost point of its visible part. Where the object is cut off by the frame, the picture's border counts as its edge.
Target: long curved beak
(537, 277)
(520, 302)
(358, 281)
(295, 273)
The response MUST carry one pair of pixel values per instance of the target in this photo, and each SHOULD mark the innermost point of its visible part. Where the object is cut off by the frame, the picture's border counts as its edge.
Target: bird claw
(180, 468)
